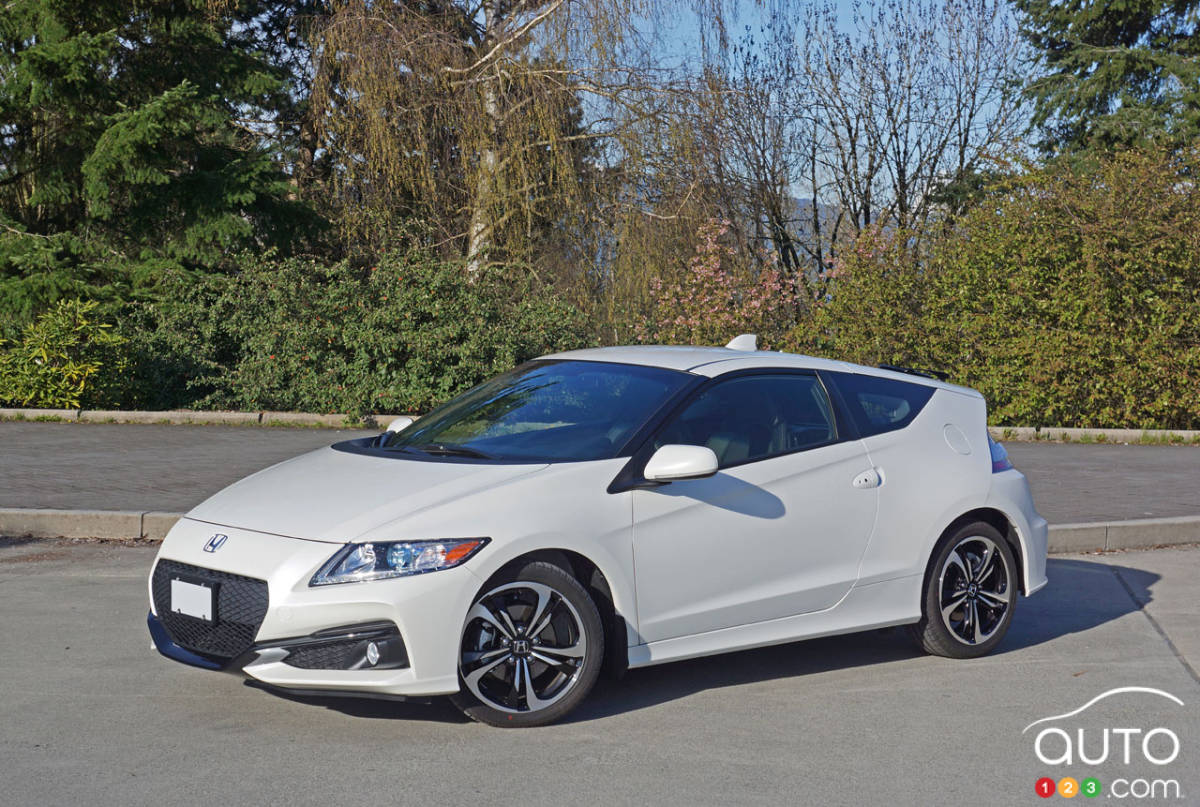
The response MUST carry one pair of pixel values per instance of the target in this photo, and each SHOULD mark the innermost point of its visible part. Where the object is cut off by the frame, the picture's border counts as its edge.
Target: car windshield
(546, 411)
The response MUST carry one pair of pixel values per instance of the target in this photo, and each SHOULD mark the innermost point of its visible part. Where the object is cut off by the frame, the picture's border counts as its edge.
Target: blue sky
(682, 43)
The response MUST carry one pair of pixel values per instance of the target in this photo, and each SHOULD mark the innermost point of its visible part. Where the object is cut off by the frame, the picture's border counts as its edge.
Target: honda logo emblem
(215, 542)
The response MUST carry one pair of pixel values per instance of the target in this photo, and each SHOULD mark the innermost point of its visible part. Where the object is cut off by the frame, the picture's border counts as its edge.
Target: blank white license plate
(191, 599)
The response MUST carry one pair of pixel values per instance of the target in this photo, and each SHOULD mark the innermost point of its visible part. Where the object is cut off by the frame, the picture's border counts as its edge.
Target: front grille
(241, 605)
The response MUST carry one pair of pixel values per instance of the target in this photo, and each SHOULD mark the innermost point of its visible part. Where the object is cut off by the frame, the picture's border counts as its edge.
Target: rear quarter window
(880, 405)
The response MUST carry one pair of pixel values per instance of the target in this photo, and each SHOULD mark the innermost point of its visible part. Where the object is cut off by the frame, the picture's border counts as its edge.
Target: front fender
(611, 553)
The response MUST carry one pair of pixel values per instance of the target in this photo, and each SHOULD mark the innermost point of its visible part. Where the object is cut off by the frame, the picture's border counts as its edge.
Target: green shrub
(1069, 297)
(399, 336)
(57, 360)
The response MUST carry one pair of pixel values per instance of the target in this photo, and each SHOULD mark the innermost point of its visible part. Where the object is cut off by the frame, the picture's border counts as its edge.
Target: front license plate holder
(194, 598)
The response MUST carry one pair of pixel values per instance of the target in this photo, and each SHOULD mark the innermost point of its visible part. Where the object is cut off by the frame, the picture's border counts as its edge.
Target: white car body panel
(293, 497)
(916, 462)
(1009, 493)
(765, 552)
(720, 552)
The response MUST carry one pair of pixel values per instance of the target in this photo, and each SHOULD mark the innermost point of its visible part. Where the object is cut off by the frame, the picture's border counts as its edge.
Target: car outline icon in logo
(216, 542)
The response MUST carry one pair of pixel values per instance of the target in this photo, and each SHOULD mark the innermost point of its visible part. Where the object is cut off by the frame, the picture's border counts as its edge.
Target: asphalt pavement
(172, 468)
(90, 715)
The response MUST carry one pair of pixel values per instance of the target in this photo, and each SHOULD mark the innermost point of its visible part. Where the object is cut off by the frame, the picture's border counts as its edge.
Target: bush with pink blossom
(714, 299)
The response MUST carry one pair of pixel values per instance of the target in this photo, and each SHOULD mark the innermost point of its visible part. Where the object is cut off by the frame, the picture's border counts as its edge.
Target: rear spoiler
(936, 375)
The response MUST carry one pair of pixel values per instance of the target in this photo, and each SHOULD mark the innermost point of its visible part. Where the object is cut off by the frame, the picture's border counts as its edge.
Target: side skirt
(878, 605)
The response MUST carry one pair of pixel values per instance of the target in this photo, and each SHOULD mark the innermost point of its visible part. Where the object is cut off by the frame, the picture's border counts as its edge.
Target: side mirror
(400, 424)
(681, 462)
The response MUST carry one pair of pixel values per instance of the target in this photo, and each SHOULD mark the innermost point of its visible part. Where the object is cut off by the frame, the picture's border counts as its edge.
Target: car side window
(754, 417)
(881, 405)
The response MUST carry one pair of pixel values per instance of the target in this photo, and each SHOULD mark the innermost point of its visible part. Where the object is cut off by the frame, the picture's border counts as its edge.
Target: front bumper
(424, 611)
(374, 646)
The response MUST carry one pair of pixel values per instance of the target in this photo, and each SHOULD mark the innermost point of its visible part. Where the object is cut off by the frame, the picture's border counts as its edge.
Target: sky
(681, 44)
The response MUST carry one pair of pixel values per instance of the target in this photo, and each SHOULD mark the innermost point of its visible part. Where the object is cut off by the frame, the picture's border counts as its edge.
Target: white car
(615, 507)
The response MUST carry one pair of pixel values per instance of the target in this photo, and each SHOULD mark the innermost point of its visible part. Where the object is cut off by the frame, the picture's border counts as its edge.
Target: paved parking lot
(172, 468)
(90, 715)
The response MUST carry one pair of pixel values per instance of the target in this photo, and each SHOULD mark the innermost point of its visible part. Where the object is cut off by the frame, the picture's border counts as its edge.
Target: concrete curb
(204, 418)
(1124, 534)
(1029, 434)
(186, 417)
(108, 524)
(153, 525)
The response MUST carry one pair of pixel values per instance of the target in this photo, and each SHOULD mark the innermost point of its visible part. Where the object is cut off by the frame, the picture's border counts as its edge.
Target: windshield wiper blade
(397, 449)
(450, 450)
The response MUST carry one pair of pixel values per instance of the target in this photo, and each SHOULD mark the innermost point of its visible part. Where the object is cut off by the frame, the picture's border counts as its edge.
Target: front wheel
(531, 648)
(970, 593)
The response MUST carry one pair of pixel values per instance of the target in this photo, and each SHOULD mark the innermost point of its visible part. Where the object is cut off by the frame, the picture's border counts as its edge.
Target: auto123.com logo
(1141, 753)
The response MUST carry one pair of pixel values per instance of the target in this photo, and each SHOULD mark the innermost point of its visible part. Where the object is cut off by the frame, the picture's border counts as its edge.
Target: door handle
(870, 478)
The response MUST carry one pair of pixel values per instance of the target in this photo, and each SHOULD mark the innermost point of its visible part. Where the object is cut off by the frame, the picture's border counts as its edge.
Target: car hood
(336, 496)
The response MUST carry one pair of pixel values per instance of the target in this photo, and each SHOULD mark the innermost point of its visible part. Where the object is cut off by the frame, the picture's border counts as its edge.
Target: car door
(779, 530)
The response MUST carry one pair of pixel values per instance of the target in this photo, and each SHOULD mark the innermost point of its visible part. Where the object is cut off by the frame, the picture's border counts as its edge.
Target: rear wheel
(531, 648)
(970, 593)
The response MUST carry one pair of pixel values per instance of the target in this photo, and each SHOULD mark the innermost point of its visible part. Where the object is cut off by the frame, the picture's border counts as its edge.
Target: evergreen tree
(1118, 72)
(136, 138)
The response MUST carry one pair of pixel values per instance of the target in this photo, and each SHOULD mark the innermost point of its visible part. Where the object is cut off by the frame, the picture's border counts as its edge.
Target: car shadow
(727, 493)
(7, 541)
(1082, 595)
(438, 709)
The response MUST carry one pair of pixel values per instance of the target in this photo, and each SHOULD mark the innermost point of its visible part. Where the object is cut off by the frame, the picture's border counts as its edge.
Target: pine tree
(1121, 72)
(136, 138)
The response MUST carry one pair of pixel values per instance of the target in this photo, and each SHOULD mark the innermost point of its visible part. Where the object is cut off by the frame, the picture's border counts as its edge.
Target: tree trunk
(479, 234)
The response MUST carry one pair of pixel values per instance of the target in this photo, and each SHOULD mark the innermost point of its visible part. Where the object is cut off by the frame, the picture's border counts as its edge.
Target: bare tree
(482, 119)
(911, 99)
(816, 126)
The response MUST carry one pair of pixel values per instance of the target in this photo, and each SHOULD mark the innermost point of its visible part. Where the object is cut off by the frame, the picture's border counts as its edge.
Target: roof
(714, 361)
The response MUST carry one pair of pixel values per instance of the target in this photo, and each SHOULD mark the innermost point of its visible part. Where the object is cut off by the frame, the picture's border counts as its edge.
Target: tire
(965, 614)
(531, 649)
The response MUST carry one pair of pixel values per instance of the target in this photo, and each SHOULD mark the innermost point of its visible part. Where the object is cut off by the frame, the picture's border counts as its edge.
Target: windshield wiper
(450, 450)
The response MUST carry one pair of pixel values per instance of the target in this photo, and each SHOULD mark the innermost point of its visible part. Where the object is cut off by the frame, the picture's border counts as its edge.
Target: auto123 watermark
(1142, 753)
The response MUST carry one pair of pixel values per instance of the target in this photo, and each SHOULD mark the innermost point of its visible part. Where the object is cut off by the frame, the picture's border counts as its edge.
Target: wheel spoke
(501, 623)
(543, 612)
(978, 633)
(531, 697)
(995, 599)
(472, 679)
(573, 651)
(550, 661)
(470, 659)
(951, 606)
(516, 679)
(508, 622)
(956, 560)
(987, 564)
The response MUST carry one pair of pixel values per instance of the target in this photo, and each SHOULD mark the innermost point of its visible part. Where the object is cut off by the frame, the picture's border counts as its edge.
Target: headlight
(355, 563)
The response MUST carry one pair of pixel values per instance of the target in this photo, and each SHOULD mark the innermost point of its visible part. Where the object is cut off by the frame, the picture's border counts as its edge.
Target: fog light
(372, 654)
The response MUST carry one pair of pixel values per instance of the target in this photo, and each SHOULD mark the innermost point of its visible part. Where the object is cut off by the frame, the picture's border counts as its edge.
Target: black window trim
(642, 445)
